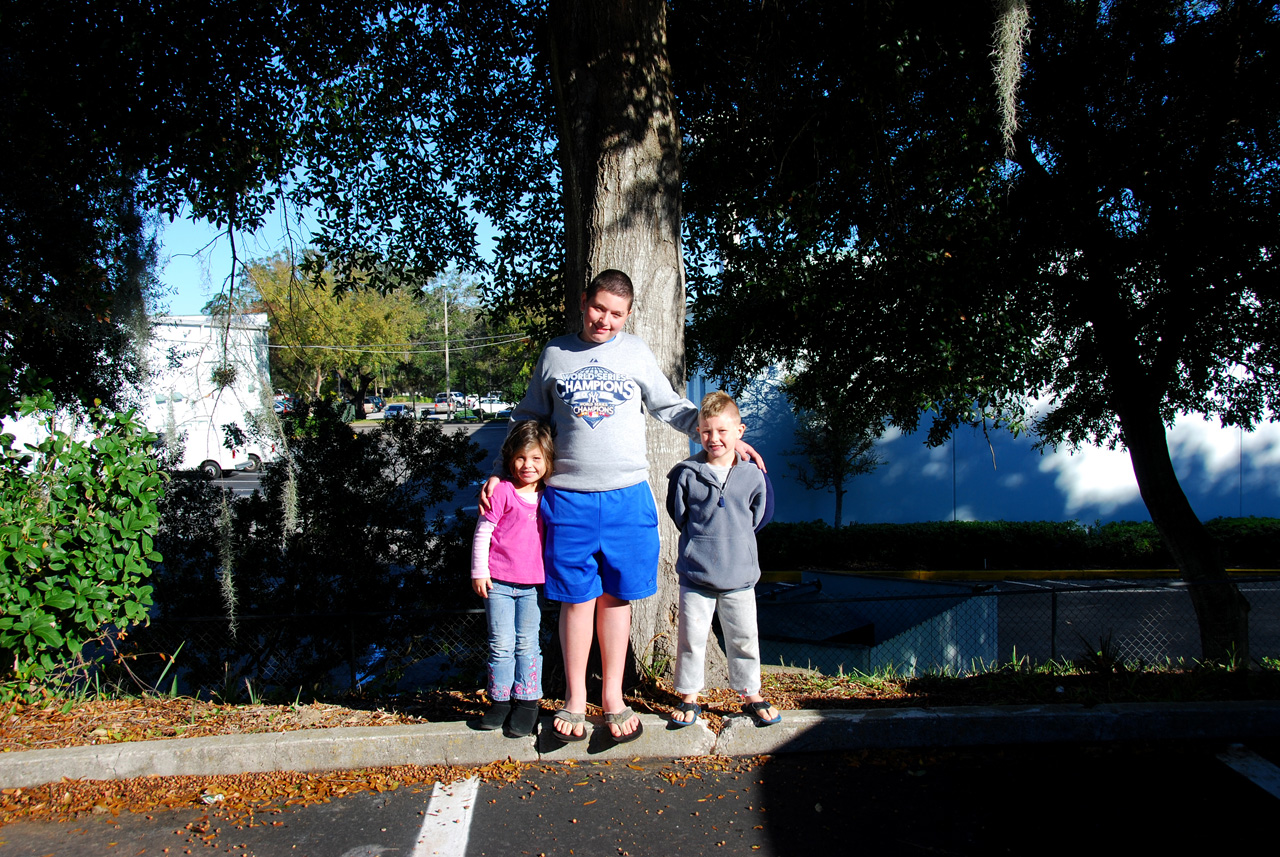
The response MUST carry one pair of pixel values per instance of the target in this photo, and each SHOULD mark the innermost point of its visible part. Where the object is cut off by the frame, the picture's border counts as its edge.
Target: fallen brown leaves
(788, 691)
(248, 798)
(240, 799)
(34, 727)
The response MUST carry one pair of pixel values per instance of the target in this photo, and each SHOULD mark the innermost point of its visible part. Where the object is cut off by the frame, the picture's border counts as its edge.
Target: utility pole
(448, 387)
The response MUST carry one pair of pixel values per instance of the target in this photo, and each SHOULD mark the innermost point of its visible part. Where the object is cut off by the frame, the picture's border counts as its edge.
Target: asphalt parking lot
(1048, 799)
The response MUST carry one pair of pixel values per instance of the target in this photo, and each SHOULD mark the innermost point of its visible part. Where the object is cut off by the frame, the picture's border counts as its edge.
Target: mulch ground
(247, 799)
(58, 724)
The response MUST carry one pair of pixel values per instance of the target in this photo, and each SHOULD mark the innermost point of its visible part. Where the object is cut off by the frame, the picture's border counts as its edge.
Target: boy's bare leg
(577, 623)
(613, 628)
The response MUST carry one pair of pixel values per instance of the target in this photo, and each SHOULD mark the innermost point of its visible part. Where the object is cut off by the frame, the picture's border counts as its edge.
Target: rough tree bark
(620, 160)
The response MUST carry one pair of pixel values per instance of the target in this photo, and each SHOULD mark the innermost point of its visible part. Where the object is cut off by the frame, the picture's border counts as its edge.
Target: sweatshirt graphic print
(592, 395)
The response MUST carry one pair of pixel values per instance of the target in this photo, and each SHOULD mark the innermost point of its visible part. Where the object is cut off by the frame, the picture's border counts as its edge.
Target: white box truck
(208, 373)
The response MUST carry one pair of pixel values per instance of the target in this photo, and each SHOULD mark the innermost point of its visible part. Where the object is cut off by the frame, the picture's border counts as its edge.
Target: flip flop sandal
(619, 718)
(757, 709)
(685, 708)
(573, 718)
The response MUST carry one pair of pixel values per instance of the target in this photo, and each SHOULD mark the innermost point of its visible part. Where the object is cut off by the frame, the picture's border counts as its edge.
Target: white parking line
(447, 824)
(1251, 765)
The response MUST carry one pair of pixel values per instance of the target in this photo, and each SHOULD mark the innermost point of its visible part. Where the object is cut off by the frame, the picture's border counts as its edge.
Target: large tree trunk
(1136, 394)
(1223, 613)
(620, 159)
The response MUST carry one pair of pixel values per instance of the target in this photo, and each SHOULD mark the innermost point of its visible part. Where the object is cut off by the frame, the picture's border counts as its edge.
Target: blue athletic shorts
(600, 541)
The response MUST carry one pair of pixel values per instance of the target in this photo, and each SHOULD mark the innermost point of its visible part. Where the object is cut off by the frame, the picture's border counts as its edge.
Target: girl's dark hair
(524, 435)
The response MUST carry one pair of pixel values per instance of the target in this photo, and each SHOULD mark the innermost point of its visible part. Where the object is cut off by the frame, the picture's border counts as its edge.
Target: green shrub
(1247, 542)
(1127, 544)
(79, 517)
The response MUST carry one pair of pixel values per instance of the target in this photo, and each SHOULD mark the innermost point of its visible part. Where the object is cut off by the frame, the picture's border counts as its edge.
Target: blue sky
(195, 261)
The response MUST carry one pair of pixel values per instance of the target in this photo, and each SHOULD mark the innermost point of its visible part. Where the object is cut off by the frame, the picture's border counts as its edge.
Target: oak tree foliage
(1123, 260)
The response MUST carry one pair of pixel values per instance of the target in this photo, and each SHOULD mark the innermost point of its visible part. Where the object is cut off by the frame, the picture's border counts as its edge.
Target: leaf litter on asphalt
(258, 798)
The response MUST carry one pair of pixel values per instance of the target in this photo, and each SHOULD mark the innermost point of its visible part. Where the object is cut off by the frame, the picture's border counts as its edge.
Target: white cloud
(940, 462)
(1092, 477)
(1206, 455)
(891, 433)
(1262, 446)
(1204, 451)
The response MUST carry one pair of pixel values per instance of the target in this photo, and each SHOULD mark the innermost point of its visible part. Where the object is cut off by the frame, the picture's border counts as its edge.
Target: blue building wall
(1224, 472)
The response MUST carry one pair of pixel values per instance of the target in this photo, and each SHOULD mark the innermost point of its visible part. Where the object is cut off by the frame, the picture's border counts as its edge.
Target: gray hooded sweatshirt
(718, 524)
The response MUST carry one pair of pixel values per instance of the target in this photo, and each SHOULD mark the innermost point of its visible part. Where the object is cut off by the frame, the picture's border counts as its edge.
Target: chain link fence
(830, 623)
(311, 653)
(838, 623)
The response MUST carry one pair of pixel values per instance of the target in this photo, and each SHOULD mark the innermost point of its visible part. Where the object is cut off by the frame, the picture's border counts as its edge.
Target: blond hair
(717, 403)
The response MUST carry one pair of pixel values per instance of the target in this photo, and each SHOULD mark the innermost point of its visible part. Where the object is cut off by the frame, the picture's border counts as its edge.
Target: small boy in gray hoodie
(719, 502)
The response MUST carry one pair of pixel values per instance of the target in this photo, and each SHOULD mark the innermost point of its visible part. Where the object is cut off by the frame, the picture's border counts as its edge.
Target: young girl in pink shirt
(506, 571)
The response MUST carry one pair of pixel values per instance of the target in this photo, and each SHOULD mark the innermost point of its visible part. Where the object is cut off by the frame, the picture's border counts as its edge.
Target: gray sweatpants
(741, 639)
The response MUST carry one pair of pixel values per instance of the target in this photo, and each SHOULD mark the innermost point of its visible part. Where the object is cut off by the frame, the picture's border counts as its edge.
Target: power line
(390, 350)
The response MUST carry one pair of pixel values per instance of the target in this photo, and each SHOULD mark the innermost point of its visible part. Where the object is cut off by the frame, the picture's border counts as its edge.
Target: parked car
(442, 401)
(371, 405)
(492, 405)
(396, 409)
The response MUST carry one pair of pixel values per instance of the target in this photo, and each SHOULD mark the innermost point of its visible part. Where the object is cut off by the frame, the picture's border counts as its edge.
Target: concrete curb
(799, 732)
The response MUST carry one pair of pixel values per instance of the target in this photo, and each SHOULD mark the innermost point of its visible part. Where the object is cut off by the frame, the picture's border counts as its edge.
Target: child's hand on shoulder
(481, 586)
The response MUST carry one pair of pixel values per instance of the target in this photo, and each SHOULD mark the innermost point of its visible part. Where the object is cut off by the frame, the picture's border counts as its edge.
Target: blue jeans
(515, 657)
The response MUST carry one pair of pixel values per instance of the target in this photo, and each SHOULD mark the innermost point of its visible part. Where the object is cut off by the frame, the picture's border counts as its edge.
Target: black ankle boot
(496, 715)
(524, 716)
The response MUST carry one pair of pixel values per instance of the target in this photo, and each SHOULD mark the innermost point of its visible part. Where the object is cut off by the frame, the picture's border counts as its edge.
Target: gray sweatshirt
(591, 394)
(718, 523)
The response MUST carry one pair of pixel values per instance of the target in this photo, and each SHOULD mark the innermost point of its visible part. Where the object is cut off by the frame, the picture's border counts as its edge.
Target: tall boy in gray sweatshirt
(599, 514)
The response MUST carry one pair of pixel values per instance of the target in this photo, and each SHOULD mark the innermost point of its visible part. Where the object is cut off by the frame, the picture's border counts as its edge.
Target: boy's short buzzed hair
(614, 282)
(717, 403)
